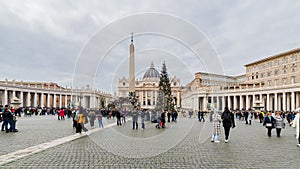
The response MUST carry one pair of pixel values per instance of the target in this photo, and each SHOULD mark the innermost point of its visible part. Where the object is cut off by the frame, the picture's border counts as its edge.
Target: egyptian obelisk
(131, 67)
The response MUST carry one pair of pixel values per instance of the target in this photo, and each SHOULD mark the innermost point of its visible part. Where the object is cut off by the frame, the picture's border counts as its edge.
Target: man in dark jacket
(118, 115)
(135, 119)
(228, 122)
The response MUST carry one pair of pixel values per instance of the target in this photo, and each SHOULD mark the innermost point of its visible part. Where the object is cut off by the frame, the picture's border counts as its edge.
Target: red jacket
(61, 113)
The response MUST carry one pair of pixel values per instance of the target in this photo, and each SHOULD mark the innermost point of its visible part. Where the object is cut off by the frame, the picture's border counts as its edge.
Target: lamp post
(80, 98)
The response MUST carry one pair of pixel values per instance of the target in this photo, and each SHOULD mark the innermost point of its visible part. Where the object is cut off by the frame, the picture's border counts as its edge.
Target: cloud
(40, 40)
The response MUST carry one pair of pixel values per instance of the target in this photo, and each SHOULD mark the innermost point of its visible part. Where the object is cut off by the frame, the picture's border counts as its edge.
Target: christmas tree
(164, 100)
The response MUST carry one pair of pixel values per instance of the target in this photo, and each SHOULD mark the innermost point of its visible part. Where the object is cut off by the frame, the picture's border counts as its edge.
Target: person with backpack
(228, 122)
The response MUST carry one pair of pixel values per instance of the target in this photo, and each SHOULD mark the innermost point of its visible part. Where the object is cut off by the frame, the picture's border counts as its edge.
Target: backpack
(227, 117)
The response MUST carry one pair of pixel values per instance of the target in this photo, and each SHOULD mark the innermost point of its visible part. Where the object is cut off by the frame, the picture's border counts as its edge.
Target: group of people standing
(81, 117)
(269, 122)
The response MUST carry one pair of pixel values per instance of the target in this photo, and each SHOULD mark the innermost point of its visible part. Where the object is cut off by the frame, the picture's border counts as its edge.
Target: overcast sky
(51, 40)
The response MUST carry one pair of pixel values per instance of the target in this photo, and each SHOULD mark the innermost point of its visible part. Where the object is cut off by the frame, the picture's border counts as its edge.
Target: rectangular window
(293, 79)
(284, 81)
(275, 82)
(276, 72)
(284, 60)
(294, 58)
(270, 64)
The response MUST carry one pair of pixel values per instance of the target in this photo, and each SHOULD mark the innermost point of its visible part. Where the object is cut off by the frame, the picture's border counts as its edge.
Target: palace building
(272, 83)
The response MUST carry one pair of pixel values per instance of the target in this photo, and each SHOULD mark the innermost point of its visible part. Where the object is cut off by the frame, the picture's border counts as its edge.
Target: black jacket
(228, 123)
(7, 115)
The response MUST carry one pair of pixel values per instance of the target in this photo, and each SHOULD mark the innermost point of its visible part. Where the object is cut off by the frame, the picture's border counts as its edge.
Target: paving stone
(248, 147)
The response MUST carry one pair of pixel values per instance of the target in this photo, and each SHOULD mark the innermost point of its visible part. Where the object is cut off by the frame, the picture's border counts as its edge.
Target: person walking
(81, 120)
(228, 122)
(246, 115)
(135, 120)
(118, 115)
(61, 114)
(216, 118)
(169, 116)
(175, 116)
(202, 116)
(92, 117)
(250, 115)
(143, 115)
(296, 124)
(99, 117)
(269, 123)
(279, 124)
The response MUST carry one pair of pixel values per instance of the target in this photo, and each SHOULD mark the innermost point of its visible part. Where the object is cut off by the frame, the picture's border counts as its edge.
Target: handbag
(268, 124)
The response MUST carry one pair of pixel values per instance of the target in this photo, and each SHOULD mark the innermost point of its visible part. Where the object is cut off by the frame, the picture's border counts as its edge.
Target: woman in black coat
(269, 123)
(228, 122)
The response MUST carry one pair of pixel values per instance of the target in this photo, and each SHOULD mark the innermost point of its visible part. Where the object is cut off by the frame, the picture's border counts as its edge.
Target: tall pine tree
(164, 90)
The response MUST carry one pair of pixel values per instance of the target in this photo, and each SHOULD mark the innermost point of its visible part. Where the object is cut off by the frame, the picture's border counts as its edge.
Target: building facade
(146, 88)
(39, 94)
(272, 83)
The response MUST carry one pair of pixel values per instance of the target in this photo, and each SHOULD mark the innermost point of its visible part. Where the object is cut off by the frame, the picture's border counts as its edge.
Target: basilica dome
(151, 72)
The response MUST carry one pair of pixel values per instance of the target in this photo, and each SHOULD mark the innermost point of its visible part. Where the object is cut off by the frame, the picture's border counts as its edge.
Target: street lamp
(80, 98)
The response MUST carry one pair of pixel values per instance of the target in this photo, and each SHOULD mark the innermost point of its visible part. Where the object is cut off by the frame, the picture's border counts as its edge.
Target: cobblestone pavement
(249, 147)
(36, 130)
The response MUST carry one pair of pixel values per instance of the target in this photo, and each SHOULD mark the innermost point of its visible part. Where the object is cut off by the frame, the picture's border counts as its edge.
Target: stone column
(260, 98)
(284, 101)
(195, 99)
(289, 102)
(142, 98)
(48, 100)
(223, 103)
(253, 100)
(13, 94)
(145, 99)
(204, 103)
(275, 102)
(5, 101)
(297, 100)
(42, 100)
(293, 101)
(35, 99)
(218, 103)
(66, 100)
(247, 102)
(234, 102)
(21, 98)
(60, 101)
(28, 100)
(241, 102)
(54, 100)
(268, 101)
(229, 103)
